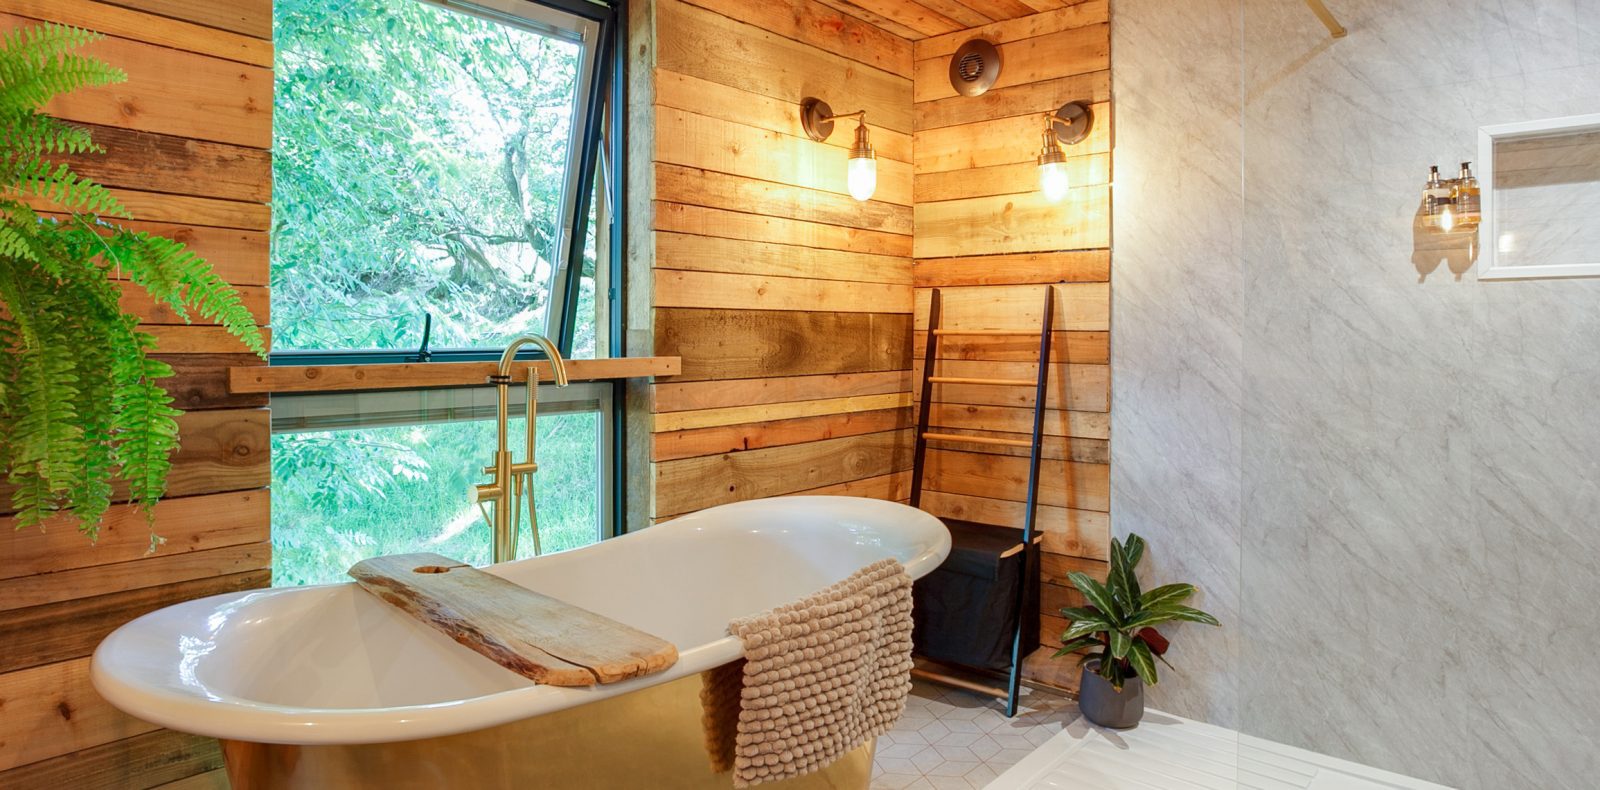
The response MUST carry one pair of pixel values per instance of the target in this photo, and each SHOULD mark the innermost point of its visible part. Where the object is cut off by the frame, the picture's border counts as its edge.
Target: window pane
(420, 157)
(341, 496)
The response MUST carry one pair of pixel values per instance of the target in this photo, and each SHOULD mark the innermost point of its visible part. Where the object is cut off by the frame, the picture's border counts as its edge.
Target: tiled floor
(957, 739)
(950, 738)
(1170, 753)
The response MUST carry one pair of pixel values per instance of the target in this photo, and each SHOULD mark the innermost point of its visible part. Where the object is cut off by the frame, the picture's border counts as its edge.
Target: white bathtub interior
(334, 663)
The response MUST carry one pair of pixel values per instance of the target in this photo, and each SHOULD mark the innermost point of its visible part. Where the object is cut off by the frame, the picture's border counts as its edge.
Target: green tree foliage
(339, 497)
(419, 159)
(80, 399)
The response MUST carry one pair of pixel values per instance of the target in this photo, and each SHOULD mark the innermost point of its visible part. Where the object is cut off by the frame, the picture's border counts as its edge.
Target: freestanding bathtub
(328, 687)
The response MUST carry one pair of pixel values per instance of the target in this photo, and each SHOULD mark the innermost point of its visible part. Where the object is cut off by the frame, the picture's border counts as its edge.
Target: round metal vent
(974, 67)
(970, 67)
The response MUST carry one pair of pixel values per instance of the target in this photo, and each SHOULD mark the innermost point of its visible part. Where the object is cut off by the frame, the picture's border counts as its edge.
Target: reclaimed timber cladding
(985, 236)
(789, 302)
(188, 140)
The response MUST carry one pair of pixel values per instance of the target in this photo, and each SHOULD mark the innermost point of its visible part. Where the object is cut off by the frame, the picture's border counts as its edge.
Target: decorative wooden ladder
(919, 459)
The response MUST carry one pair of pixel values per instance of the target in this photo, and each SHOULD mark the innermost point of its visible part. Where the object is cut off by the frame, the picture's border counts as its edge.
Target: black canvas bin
(966, 611)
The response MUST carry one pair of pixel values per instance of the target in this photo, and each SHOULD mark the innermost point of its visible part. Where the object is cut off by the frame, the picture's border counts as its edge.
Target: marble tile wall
(1384, 473)
(1177, 218)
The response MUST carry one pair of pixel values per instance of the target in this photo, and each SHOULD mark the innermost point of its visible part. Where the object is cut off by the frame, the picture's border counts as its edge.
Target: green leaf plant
(81, 406)
(1119, 624)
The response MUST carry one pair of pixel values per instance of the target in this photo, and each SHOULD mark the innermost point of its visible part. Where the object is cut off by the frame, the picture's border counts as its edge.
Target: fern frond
(145, 428)
(66, 189)
(43, 41)
(169, 272)
(15, 244)
(10, 345)
(90, 489)
(43, 134)
(36, 64)
(46, 437)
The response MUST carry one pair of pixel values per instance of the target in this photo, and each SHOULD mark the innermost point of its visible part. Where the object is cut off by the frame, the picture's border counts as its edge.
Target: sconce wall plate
(974, 67)
(1071, 123)
(816, 117)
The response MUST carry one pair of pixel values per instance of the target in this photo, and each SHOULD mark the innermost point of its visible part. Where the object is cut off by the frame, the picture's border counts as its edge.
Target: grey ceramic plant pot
(1104, 705)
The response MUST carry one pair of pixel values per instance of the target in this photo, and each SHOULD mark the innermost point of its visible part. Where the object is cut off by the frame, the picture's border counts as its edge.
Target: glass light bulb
(1447, 219)
(1053, 180)
(863, 177)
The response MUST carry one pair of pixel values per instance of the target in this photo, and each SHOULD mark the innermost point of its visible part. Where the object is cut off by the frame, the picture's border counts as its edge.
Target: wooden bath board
(544, 639)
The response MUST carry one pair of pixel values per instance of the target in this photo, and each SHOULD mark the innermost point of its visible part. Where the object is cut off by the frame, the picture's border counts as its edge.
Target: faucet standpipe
(513, 482)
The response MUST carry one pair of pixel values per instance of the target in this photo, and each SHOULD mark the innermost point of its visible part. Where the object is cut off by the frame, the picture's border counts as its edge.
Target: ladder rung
(962, 683)
(993, 382)
(1012, 552)
(956, 437)
(997, 332)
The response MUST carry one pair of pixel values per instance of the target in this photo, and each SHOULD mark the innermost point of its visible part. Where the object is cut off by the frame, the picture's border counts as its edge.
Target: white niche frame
(1489, 229)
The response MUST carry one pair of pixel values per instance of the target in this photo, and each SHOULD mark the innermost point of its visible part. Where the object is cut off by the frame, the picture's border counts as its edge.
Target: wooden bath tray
(544, 639)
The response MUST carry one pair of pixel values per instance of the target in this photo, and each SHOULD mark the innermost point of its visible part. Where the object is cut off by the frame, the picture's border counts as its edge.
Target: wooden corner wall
(789, 302)
(796, 310)
(188, 138)
(987, 238)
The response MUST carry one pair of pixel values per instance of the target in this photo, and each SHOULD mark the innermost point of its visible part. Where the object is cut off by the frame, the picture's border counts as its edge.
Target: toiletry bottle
(1436, 197)
(1468, 199)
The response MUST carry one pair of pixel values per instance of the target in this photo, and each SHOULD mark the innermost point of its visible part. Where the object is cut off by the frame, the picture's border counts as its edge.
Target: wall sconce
(1452, 203)
(861, 176)
(1067, 125)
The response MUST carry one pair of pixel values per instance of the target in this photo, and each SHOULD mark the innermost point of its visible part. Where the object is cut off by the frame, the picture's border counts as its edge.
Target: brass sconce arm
(862, 114)
(817, 118)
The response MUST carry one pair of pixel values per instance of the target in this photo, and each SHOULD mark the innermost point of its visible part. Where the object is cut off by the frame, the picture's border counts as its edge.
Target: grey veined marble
(1384, 474)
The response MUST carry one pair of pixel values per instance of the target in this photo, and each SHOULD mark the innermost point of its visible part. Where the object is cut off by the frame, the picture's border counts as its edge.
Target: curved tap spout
(557, 364)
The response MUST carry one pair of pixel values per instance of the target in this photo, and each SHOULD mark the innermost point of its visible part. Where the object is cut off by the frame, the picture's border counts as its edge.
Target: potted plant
(1118, 625)
(81, 404)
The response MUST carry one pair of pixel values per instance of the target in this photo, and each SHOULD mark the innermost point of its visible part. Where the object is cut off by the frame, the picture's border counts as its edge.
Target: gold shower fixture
(1067, 125)
(1451, 204)
(511, 490)
(861, 174)
(1326, 17)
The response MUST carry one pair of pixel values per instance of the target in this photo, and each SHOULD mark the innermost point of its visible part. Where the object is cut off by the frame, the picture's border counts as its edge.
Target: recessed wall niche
(1541, 194)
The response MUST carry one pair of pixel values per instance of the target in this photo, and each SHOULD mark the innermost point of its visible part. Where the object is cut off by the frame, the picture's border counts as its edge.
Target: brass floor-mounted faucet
(512, 486)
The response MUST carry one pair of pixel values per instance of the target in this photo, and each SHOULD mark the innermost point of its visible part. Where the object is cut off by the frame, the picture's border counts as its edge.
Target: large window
(440, 187)
(427, 170)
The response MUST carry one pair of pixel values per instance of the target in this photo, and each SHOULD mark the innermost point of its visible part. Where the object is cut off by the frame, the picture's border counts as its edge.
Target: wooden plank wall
(789, 302)
(188, 137)
(987, 238)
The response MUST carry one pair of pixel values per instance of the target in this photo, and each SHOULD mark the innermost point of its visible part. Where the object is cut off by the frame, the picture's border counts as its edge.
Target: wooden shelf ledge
(417, 375)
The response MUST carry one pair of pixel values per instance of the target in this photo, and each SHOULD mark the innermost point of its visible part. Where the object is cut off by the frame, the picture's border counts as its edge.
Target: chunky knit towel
(819, 677)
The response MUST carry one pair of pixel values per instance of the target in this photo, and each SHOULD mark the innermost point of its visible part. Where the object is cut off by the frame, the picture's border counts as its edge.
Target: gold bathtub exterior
(650, 738)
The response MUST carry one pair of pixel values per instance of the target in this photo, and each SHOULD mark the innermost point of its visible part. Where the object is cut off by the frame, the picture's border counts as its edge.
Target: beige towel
(819, 677)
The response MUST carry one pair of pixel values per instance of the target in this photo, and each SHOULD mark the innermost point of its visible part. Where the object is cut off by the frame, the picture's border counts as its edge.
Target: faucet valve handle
(484, 493)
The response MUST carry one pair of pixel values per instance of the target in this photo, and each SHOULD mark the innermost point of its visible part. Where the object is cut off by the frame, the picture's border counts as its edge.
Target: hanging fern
(81, 403)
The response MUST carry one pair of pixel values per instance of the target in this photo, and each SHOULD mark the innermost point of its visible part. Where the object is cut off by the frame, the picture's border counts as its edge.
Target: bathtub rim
(146, 691)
